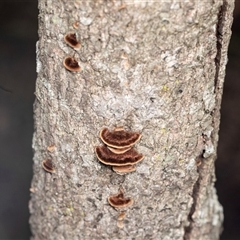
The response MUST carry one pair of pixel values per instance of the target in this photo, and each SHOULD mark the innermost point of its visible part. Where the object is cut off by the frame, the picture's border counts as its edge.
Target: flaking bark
(154, 67)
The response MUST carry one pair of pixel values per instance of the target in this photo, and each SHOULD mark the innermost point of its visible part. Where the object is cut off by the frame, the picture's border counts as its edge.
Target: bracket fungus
(107, 157)
(124, 169)
(48, 166)
(71, 64)
(118, 151)
(51, 148)
(121, 216)
(76, 24)
(71, 40)
(119, 201)
(119, 138)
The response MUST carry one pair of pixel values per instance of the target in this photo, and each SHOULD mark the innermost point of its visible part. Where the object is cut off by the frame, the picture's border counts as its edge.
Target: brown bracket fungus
(121, 216)
(76, 25)
(120, 219)
(119, 201)
(51, 148)
(124, 169)
(107, 157)
(48, 166)
(119, 150)
(71, 64)
(119, 138)
(71, 40)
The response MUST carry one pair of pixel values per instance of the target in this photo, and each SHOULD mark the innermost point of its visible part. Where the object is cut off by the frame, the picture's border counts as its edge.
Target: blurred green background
(18, 36)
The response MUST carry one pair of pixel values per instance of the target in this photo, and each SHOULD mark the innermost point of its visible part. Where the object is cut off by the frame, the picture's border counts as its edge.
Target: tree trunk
(154, 67)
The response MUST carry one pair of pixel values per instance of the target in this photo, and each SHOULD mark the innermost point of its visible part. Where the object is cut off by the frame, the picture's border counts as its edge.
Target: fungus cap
(107, 157)
(119, 201)
(51, 148)
(124, 169)
(71, 64)
(119, 138)
(119, 150)
(71, 40)
(121, 216)
(48, 165)
(76, 24)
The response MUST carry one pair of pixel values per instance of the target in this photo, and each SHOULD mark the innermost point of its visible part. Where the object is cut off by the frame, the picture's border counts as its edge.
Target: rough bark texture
(154, 67)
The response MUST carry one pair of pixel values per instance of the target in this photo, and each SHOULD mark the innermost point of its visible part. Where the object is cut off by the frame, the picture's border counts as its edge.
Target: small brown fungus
(51, 148)
(121, 216)
(124, 169)
(71, 64)
(119, 138)
(48, 166)
(119, 201)
(107, 157)
(71, 40)
(76, 25)
(119, 150)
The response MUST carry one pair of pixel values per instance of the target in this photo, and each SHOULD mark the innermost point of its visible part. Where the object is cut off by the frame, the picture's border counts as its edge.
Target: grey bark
(154, 67)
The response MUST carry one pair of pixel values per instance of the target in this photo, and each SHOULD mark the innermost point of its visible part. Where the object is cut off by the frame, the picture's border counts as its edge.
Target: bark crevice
(195, 196)
(223, 32)
(219, 30)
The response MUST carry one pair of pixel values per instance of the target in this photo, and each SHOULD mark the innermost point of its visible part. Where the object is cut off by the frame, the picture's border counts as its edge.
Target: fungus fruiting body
(48, 165)
(118, 150)
(51, 148)
(121, 216)
(119, 138)
(71, 40)
(124, 169)
(71, 64)
(107, 157)
(76, 25)
(119, 201)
